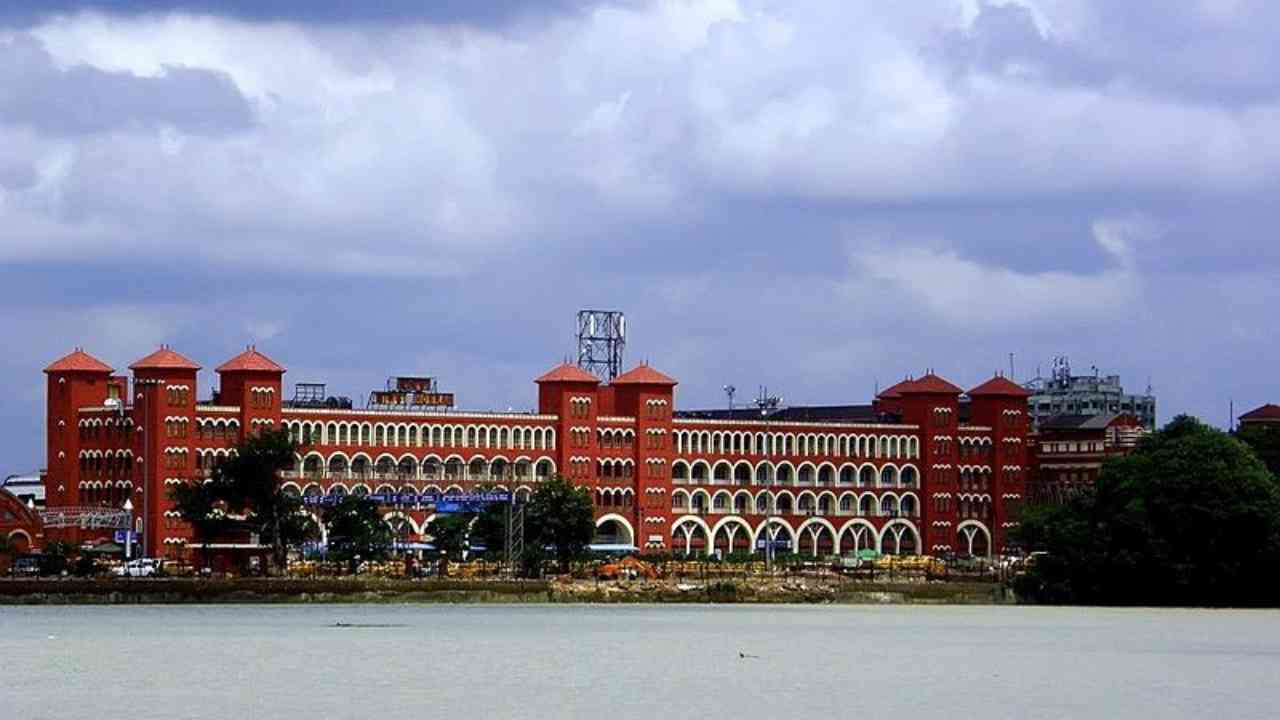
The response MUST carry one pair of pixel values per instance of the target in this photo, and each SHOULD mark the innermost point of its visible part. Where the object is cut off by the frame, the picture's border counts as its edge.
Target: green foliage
(449, 533)
(200, 507)
(357, 530)
(1264, 440)
(248, 483)
(560, 516)
(1192, 517)
(490, 529)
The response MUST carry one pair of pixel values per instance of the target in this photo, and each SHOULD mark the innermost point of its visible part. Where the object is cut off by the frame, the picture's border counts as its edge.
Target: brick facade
(916, 479)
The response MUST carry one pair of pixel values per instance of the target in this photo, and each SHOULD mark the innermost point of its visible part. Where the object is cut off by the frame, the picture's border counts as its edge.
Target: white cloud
(969, 294)
(262, 330)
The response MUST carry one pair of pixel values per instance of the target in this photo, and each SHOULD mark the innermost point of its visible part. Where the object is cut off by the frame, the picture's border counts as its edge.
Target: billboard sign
(462, 502)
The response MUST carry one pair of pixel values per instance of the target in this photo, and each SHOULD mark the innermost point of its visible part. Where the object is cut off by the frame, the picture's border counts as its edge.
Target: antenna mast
(602, 336)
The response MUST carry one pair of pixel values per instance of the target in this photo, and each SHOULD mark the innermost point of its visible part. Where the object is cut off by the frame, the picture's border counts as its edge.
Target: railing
(85, 517)
(399, 478)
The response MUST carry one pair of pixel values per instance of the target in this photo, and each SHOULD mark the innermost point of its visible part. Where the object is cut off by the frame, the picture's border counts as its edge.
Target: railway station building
(924, 468)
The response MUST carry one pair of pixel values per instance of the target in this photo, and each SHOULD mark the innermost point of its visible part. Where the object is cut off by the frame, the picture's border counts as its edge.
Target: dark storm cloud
(81, 99)
(467, 12)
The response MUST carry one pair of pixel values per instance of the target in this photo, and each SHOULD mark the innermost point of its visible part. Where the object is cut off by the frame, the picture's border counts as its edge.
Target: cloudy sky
(817, 196)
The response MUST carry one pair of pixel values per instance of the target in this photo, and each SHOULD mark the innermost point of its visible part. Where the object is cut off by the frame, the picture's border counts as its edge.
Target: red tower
(572, 394)
(164, 384)
(76, 381)
(648, 396)
(1002, 405)
(254, 383)
(933, 404)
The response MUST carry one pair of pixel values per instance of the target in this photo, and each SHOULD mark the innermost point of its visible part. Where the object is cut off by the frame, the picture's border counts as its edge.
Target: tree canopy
(1265, 442)
(247, 484)
(199, 505)
(1191, 517)
(560, 516)
(356, 530)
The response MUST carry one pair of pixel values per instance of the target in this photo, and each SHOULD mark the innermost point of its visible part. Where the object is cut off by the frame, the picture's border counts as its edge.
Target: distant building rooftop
(796, 413)
(1083, 422)
(27, 486)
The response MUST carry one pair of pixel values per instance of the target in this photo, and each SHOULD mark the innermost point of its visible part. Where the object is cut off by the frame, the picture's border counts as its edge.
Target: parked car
(25, 566)
(141, 567)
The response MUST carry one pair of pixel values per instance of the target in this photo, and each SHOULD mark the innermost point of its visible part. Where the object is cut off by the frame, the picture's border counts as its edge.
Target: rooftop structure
(27, 487)
(602, 337)
(1068, 452)
(1268, 414)
(1065, 394)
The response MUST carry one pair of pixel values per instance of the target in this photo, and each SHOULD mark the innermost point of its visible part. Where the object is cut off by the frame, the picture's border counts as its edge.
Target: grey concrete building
(1065, 394)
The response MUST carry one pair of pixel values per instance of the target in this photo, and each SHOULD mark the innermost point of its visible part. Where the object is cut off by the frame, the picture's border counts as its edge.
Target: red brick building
(925, 468)
(1263, 416)
(1068, 451)
(20, 527)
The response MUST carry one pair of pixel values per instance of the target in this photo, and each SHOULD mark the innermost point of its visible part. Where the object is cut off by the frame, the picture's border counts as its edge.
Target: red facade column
(73, 382)
(649, 397)
(165, 393)
(933, 404)
(1002, 405)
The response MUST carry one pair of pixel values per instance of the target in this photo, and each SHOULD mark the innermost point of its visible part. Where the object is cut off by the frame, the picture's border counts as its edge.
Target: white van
(142, 567)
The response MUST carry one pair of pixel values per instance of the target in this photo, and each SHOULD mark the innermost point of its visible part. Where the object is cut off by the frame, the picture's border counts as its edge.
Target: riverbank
(376, 590)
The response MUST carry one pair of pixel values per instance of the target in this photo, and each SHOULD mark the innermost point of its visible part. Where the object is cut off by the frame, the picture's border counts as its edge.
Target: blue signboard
(461, 506)
(457, 502)
(779, 544)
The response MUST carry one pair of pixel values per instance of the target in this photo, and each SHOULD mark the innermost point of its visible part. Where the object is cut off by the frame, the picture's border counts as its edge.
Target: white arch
(398, 514)
(872, 536)
(732, 523)
(813, 534)
(974, 526)
(689, 520)
(791, 533)
(619, 519)
(913, 496)
(680, 493)
(893, 525)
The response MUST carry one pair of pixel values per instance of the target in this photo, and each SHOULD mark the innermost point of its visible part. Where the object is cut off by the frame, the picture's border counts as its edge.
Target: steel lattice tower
(602, 336)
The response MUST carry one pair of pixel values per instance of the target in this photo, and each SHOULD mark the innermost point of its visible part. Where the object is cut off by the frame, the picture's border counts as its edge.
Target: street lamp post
(128, 531)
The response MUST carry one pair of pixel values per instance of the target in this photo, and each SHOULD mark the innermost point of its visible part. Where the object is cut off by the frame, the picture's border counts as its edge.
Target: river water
(620, 662)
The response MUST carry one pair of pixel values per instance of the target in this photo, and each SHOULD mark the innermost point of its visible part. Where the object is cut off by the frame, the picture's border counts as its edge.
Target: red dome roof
(564, 372)
(643, 375)
(164, 359)
(78, 361)
(1265, 412)
(930, 384)
(250, 361)
(895, 390)
(1000, 386)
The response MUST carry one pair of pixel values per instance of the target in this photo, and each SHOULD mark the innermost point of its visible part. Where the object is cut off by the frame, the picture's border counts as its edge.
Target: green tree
(248, 483)
(1264, 440)
(1192, 517)
(449, 533)
(560, 516)
(199, 506)
(490, 529)
(357, 530)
